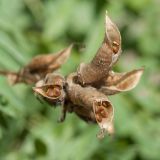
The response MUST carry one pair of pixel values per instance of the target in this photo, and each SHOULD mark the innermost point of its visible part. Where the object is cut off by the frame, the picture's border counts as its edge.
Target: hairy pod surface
(106, 56)
(84, 113)
(89, 101)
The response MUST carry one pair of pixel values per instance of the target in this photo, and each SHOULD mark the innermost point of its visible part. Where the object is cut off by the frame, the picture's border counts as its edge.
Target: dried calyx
(106, 56)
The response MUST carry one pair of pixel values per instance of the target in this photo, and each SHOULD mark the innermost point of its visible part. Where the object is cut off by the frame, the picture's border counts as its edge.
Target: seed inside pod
(105, 104)
(115, 47)
(98, 118)
(53, 92)
(99, 109)
(103, 113)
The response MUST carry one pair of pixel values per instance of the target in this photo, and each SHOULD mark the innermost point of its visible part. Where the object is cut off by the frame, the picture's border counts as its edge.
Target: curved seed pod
(120, 82)
(43, 64)
(113, 38)
(84, 113)
(87, 101)
(103, 111)
(97, 69)
(51, 88)
(106, 56)
(48, 63)
(38, 67)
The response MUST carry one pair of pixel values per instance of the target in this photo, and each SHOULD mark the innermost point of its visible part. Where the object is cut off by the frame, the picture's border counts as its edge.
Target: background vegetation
(28, 129)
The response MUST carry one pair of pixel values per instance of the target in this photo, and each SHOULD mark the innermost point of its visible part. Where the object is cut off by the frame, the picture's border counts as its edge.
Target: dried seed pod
(88, 100)
(48, 63)
(103, 111)
(120, 82)
(106, 56)
(51, 88)
(38, 67)
(78, 95)
(84, 113)
(113, 38)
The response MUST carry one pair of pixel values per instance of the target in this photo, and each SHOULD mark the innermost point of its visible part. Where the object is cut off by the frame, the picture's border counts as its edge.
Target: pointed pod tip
(108, 20)
(71, 46)
(68, 49)
(34, 89)
(126, 82)
(141, 70)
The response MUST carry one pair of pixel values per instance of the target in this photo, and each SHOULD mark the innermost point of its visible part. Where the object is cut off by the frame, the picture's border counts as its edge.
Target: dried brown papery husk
(85, 92)
(88, 98)
(104, 113)
(84, 113)
(120, 82)
(51, 88)
(39, 67)
(106, 56)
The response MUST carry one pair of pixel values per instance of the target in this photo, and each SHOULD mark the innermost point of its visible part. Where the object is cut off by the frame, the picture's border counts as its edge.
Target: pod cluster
(86, 91)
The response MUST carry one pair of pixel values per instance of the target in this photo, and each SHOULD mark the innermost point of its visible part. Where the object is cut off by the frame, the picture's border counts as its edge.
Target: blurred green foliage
(28, 129)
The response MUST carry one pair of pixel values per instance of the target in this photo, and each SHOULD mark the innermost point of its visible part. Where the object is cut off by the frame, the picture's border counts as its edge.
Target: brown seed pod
(88, 100)
(113, 38)
(38, 67)
(78, 95)
(120, 82)
(103, 111)
(85, 92)
(47, 63)
(106, 56)
(51, 88)
(84, 113)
